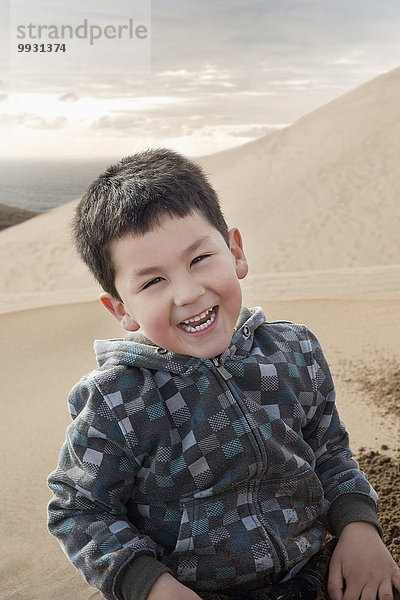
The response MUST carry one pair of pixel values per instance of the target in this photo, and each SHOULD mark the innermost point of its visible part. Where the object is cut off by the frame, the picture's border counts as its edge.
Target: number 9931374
(42, 48)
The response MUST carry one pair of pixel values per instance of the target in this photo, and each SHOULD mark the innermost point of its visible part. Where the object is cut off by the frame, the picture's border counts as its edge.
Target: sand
(384, 474)
(338, 274)
(46, 350)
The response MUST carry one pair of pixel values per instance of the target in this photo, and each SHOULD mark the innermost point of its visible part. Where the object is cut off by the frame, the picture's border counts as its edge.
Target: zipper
(276, 544)
(221, 370)
(262, 460)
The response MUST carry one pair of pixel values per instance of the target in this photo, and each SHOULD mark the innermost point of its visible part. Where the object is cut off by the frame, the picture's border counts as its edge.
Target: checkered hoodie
(222, 471)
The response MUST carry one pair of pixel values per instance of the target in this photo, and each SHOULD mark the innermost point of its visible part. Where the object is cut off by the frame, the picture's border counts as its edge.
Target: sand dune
(37, 255)
(323, 192)
(318, 206)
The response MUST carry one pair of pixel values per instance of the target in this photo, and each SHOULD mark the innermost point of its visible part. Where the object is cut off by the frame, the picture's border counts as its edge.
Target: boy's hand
(167, 587)
(362, 561)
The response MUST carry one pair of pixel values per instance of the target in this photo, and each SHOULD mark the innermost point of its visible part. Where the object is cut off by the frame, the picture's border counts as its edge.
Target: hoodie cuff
(135, 581)
(350, 508)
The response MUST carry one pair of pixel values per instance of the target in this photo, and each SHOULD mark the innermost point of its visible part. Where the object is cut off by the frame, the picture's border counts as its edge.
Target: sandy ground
(384, 474)
(46, 350)
(318, 206)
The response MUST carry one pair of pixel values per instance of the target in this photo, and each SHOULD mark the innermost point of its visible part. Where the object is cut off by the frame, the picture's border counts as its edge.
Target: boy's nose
(187, 291)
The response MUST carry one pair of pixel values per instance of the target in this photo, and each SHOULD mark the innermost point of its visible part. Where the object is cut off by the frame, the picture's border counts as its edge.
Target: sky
(198, 77)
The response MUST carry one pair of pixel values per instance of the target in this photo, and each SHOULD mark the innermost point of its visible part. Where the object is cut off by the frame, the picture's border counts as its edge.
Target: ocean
(41, 185)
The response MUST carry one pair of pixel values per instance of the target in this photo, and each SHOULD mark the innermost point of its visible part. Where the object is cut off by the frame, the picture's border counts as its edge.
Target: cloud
(130, 124)
(68, 97)
(234, 44)
(124, 122)
(182, 121)
(215, 65)
(207, 74)
(40, 123)
(32, 121)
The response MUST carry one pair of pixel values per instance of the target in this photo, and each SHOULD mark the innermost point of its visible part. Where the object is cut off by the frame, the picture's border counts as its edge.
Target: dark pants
(308, 584)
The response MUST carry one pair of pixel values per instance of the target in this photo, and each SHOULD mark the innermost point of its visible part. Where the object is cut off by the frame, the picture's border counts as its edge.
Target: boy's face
(179, 283)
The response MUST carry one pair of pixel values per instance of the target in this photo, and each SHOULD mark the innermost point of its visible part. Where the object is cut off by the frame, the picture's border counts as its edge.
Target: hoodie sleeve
(348, 494)
(94, 478)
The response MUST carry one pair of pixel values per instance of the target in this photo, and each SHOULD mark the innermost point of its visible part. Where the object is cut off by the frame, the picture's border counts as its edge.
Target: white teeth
(198, 318)
(185, 325)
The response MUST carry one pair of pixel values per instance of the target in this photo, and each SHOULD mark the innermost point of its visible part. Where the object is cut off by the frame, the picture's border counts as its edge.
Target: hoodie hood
(138, 351)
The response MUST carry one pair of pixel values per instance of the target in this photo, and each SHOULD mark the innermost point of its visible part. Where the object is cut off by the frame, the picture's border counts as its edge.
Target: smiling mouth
(200, 322)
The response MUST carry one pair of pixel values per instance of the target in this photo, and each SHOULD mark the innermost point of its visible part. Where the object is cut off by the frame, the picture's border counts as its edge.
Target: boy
(206, 457)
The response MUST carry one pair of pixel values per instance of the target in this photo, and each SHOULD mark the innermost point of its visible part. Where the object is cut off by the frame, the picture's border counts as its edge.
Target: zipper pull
(221, 370)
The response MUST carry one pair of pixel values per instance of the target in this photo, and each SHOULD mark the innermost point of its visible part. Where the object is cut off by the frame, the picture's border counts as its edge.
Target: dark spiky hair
(132, 196)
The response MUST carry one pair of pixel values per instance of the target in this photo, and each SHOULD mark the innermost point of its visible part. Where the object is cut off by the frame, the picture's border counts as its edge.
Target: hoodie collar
(137, 350)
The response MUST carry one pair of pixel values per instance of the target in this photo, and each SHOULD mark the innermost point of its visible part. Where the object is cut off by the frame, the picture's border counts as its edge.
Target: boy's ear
(236, 247)
(118, 310)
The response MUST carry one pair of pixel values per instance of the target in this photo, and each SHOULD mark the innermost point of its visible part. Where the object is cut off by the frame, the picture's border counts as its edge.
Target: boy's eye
(199, 258)
(151, 282)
